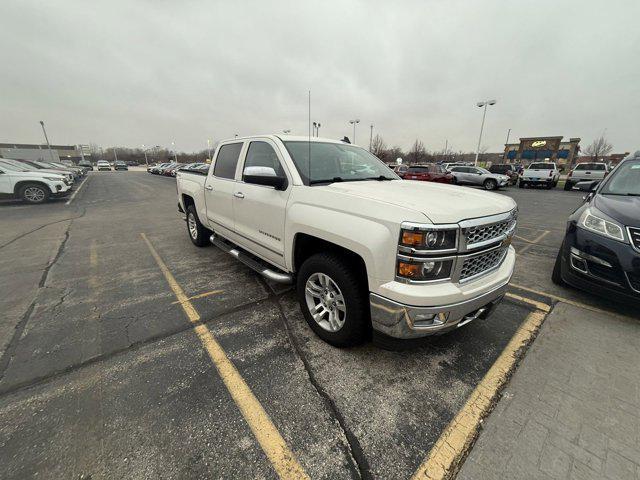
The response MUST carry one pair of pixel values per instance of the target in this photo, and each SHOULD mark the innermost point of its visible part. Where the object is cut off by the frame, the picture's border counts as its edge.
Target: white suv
(31, 186)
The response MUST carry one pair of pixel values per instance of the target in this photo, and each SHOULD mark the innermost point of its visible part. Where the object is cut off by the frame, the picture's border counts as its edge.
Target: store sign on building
(538, 143)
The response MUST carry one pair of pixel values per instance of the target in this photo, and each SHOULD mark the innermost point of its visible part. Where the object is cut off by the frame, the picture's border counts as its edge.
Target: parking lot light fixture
(175, 154)
(484, 105)
(47, 139)
(354, 123)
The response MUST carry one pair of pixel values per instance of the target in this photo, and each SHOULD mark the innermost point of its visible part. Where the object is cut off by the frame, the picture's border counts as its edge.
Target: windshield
(590, 166)
(336, 162)
(542, 166)
(22, 167)
(11, 167)
(624, 180)
(483, 170)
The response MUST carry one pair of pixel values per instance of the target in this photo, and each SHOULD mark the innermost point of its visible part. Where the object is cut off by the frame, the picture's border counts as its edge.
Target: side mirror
(264, 176)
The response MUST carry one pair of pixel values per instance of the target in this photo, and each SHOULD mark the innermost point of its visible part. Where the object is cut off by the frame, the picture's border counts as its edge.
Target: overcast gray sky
(132, 72)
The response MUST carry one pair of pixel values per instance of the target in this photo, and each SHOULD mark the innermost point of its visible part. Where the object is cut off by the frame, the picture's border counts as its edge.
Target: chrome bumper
(405, 321)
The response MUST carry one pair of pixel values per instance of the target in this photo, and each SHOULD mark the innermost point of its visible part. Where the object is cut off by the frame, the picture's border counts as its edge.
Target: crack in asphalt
(9, 351)
(359, 466)
(40, 228)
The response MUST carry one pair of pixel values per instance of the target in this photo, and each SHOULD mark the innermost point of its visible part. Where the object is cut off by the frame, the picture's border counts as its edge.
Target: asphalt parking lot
(125, 351)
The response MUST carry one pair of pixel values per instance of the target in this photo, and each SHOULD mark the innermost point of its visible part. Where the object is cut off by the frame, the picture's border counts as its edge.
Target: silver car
(478, 176)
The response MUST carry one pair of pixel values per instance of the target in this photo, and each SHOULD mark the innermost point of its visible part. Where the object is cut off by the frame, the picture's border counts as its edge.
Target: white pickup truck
(366, 249)
(29, 185)
(536, 174)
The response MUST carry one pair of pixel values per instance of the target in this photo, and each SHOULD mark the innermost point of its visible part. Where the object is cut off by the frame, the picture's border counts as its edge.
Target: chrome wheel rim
(325, 302)
(193, 226)
(34, 194)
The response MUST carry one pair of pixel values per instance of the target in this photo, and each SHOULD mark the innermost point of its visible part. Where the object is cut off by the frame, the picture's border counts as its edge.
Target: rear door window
(227, 160)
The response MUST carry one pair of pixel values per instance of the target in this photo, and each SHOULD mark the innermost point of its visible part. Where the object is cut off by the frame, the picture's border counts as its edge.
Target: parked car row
(171, 168)
(37, 181)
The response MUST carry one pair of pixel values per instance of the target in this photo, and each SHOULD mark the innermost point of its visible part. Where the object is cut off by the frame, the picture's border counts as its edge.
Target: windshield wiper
(327, 180)
(380, 178)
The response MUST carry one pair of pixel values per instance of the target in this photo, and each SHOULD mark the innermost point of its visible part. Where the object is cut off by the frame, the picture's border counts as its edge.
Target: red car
(428, 173)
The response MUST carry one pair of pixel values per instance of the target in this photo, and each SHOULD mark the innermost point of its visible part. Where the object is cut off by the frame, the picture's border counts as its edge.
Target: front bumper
(405, 321)
(601, 265)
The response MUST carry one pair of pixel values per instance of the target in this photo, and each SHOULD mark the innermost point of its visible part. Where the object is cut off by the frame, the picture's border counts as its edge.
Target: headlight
(428, 239)
(425, 270)
(53, 179)
(593, 220)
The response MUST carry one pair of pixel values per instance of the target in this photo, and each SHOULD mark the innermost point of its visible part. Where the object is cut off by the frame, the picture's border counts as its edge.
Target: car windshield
(336, 162)
(624, 180)
(11, 167)
(590, 166)
(542, 166)
(483, 170)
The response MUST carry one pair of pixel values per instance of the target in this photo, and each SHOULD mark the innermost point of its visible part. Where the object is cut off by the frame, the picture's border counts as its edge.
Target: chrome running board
(266, 272)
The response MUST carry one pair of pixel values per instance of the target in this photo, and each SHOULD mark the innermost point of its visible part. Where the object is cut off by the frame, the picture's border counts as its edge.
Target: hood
(441, 203)
(39, 174)
(624, 209)
(55, 172)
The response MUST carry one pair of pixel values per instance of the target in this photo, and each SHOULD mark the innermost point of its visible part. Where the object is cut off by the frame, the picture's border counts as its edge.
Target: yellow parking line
(534, 241)
(564, 300)
(201, 295)
(445, 457)
(282, 458)
(539, 305)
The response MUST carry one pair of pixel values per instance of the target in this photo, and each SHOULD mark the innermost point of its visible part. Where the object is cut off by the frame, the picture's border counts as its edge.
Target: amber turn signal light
(408, 270)
(412, 238)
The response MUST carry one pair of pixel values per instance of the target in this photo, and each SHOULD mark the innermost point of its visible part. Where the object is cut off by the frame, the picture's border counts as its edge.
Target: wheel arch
(22, 183)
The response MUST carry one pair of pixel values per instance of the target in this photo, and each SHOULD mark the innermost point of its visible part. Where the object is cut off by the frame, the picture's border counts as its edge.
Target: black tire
(568, 186)
(34, 193)
(199, 234)
(521, 184)
(556, 275)
(340, 269)
(490, 184)
(454, 181)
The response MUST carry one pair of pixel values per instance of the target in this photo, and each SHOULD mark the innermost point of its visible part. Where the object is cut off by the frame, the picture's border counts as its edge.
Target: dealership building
(58, 153)
(539, 149)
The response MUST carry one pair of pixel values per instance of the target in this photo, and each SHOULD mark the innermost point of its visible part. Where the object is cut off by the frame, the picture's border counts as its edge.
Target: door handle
(209, 187)
(238, 195)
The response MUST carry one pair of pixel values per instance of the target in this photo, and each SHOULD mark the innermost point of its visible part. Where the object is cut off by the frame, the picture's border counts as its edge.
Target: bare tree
(599, 148)
(378, 147)
(417, 153)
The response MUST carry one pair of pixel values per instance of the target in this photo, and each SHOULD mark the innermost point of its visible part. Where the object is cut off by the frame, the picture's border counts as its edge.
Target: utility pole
(209, 148)
(371, 137)
(115, 153)
(47, 139)
(504, 155)
(144, 150)
(175, 154)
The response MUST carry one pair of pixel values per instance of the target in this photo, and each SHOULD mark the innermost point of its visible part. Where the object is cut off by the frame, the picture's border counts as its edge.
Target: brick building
(532, 149)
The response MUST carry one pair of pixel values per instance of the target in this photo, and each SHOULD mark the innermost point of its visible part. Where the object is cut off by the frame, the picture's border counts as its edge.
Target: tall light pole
(47, 139)
(144, 150)
(209, 148)
(371, 137)
(354, 123)
(318, 125)
(175, 154)
(506, 142)
(484, 105)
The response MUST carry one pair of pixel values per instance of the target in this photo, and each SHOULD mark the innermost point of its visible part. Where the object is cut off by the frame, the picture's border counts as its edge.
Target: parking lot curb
(448, 453)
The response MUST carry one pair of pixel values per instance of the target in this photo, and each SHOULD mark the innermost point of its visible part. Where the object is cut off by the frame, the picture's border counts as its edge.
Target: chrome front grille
(483, 234)
(634, 235)
(483, 263)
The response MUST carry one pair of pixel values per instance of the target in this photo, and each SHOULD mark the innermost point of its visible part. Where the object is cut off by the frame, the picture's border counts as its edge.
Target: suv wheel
(556, 275)
(521, 184)
(334, 301)
(198, 234)
(34, 193)
(568, 185)
(490, 184)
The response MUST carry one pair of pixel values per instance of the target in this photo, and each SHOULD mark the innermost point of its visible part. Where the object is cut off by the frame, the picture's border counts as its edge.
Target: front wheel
(333, 299)
(34, 193)
(490, 184)
(521, 184)
(568, 186)
(198, 234)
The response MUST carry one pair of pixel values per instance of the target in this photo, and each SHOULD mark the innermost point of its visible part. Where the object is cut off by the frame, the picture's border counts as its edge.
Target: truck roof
(287, 138)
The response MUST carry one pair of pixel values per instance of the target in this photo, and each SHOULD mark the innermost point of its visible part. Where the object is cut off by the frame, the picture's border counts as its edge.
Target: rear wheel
(198, 234)
(521, 184)
(568, 185)
(333, 299)
(490, 184)
(34, 193)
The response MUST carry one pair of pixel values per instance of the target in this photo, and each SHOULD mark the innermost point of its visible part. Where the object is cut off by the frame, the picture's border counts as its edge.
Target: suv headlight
(595, 221)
